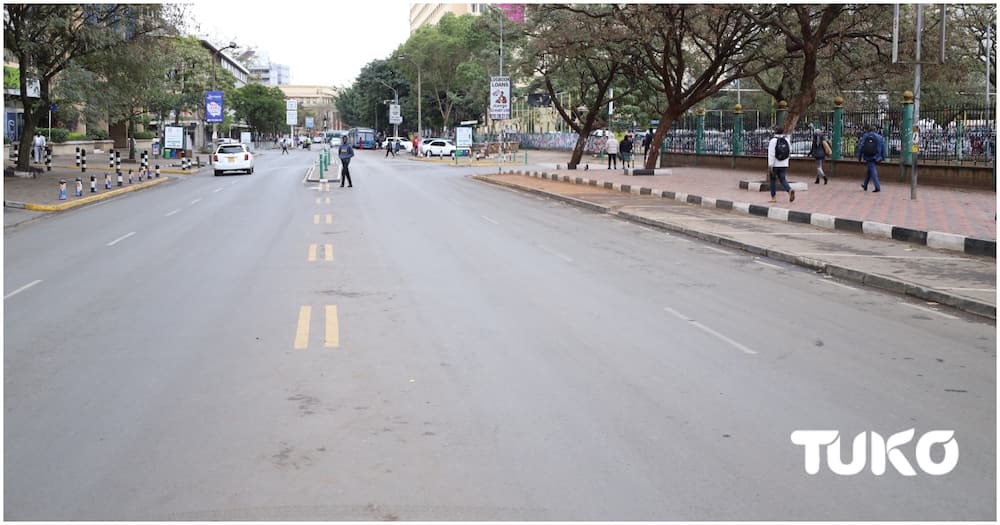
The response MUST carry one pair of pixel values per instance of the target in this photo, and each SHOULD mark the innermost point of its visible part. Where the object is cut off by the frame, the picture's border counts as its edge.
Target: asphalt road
(425, 346)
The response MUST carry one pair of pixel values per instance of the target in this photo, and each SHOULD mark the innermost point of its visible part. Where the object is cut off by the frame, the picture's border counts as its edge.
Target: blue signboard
(213, 107)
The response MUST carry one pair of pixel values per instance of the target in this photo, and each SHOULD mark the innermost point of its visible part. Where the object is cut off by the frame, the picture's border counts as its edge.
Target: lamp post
(395, 127)
(232, 45)
(420, 120)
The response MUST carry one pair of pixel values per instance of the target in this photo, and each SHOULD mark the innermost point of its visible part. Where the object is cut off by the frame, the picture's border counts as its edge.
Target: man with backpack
(871, 149)
(778, 152)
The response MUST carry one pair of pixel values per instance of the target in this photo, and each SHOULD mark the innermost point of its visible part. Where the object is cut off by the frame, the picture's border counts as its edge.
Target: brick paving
(968, 212)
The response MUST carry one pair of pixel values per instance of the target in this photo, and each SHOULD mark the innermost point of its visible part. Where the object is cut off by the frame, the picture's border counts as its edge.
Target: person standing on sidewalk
(38, 147)
(871, 149)
(345, 152)
(778, 151)
(611, 147)
(820, 150)
(625, 149)
(646, 141)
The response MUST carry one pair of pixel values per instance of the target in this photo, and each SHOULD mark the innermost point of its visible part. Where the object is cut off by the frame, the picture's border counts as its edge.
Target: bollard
(118, 160)
(321, 176)
(93, 184)
(111, 159)
(130, 179)
(62, 190)
(145, 160)
(119, 179)
(107, 181)
(48, 158)
(79, 187)
(157, 170)
(78, 156)
(14, 153)
(83, 161)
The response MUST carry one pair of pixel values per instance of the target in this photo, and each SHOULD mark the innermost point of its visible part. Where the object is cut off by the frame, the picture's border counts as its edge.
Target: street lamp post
(395, 127)
(232, 45)
(420, 120)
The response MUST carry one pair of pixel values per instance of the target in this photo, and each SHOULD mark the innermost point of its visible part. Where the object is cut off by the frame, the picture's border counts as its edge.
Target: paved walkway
(971, 213)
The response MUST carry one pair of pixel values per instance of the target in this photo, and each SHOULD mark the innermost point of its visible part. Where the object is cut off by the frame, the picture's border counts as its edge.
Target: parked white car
(405, 144)
(232, 157)
(438, 147)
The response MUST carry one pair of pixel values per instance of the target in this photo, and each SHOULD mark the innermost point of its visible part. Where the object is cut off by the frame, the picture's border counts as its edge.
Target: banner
(500, 98)
(463, 137)
(213, 107)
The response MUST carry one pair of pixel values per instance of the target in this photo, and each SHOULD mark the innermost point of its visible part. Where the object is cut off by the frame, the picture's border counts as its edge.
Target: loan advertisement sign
(173, 137)
(500, 98)
(213, 107)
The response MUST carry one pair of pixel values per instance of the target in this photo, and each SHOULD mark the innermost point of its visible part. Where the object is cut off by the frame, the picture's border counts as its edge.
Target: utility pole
(232, 45)
(916, 101)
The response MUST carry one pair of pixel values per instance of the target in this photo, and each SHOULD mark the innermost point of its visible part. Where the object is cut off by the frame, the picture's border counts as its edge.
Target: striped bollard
(78, 156)
(15, 154)
(119, 179)
(145, 160)
(48, 158)
(111, 159)
(157, 171)
(118, 160)
(93, 184)
(83, 161)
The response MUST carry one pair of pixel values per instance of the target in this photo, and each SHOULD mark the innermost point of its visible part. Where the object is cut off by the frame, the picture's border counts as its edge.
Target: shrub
(59, 135)
(99, 134)
(145, 135)
(76, 135)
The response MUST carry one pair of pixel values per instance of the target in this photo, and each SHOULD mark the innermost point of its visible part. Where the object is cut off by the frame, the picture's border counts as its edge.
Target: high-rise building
(269, 73)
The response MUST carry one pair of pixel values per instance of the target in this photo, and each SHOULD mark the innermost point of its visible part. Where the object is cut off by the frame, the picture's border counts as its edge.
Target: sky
(322, 42)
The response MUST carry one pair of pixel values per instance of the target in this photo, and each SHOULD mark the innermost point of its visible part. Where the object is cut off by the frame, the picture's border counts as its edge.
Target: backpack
(781, 149)
(870, 147)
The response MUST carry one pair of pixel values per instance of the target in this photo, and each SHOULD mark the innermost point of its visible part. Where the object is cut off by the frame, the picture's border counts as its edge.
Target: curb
(83, 200)
(868, 279)
(931, 239)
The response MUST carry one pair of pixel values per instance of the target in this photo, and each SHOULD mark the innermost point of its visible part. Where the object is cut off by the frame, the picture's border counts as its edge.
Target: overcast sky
(322, 42)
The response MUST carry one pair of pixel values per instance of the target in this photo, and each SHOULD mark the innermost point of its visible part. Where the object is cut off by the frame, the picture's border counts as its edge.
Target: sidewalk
(969, 213)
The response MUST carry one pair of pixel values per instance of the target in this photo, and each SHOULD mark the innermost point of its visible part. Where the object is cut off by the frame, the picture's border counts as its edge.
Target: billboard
(213, 107)
(173, 137)
(500, 98)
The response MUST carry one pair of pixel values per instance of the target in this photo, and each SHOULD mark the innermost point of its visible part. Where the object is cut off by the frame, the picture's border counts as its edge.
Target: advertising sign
(463, 137)
(213, 107)
(500, 98)
(173, 137)
(309, 122)
(395, 115)
(245, 137)
(291, 117)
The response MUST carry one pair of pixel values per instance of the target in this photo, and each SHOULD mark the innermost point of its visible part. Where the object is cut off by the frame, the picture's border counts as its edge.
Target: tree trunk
(652, 158)
(24, 147)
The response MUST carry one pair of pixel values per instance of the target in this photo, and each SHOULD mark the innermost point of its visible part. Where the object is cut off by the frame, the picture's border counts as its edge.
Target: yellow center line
(329, 252)
(312, 253)
(332, 327)
(302, 332)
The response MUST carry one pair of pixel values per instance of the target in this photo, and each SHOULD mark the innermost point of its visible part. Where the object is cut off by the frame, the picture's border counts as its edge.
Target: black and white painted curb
(931, 239)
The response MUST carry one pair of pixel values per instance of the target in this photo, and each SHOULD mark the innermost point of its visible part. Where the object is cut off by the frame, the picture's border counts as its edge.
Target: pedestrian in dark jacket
(625, 150)
(646, 141)
(345, 152)
(820, 150)
(871, 149)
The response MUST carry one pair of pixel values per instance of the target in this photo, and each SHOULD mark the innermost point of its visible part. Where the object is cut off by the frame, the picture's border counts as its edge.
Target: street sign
(309, 122)
(291, 117)
(916, 140)
(291, 105)
(463, 137)
(500, 98)
(395, 116)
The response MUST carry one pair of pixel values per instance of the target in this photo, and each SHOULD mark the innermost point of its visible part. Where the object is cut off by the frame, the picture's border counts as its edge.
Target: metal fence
(959, 135)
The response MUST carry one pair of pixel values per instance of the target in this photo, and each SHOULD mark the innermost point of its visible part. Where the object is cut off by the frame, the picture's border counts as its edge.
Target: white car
(232, 157)
(439, 147)
(404, 143)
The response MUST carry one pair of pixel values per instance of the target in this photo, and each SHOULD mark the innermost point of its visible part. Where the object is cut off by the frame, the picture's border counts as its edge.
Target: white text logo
(882, 451)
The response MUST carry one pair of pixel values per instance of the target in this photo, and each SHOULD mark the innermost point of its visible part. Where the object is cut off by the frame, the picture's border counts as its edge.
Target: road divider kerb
(85, 200)
(841, 272)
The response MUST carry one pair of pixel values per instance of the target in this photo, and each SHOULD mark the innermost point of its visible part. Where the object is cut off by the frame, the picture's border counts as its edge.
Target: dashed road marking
(487, 219)
(332, 337)
(302, 330)
(196, 201)
(174, 212)
(21, 289)
(557, 254)
(120, 239)
(708, 330)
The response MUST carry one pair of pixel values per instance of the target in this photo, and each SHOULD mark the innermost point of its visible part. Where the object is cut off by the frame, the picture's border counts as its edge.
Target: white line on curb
(120, 239)
(835, 283)
(929, 310)
(775, 266)
(683, 317)
(21, 289)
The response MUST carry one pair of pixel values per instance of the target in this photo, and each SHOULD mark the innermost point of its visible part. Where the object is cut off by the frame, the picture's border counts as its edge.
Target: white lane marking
(929, 310)
(489, 219)
(557, 254)
(178, 210)
(234, 182)
(835, 283)
(775, 266)
(196, 201)
(21, 289)
(120, 239)
(683, 317)
(216, 190)
(724, 252)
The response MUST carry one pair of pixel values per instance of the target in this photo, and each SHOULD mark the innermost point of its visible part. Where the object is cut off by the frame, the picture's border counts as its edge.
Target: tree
(688, 53)
(262, 107)
(45, 39)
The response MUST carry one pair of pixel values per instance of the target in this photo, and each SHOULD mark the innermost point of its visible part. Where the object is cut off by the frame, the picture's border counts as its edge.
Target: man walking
(778, 151)
(345, 152)
(625, 150)
(611, 146)
(284, 146)
(38, 147)
(871, 149)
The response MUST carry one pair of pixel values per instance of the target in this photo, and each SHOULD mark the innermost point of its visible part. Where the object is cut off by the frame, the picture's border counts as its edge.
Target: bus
(362, 138)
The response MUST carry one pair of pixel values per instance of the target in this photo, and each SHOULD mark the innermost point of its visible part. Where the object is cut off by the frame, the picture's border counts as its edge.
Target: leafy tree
(45, 39)
(262, 107)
